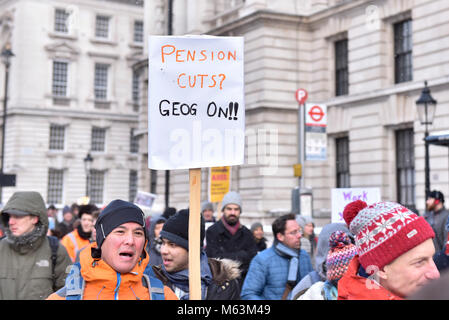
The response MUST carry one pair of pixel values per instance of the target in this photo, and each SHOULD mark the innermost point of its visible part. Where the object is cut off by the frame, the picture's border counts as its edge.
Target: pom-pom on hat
(340, 255)
(384, 231)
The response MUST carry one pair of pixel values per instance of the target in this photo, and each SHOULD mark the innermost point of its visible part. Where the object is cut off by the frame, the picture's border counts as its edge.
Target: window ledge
(59, 35)
(136, 45)
(103, 41)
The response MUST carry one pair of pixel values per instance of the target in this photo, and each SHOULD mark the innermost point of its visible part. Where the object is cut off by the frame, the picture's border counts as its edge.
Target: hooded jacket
(224, 285)
(25, 261)
(355, 287)
(104, 283)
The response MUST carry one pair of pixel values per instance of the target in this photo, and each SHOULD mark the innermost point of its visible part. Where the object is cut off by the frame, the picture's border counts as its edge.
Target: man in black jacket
(227, 238)
(219, 278)
(437, 216)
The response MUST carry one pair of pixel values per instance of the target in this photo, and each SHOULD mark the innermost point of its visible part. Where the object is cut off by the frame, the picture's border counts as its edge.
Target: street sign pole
(301, 97)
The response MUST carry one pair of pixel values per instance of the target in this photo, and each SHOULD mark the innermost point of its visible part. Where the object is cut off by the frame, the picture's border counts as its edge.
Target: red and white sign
(316, 115)
(301, 96)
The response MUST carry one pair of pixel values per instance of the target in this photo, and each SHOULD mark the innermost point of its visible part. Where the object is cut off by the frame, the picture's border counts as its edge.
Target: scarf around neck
(82, 234)
(232, 229)
(28, 242)
(291, 254)
(180, 279)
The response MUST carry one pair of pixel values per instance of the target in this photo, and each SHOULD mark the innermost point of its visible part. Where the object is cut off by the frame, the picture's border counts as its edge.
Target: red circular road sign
(301, 96)
(316, 113)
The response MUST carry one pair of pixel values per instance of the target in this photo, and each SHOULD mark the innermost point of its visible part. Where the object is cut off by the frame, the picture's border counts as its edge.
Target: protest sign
(219, 183)
(196, 109)
(145, 199)
(342, 196)
(196, 116)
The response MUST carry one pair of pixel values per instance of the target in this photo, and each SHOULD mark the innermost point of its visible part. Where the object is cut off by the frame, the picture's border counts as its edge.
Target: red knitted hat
(384, 231)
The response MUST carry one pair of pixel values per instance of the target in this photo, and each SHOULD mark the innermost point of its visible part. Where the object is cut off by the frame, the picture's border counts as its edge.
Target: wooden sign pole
(194, 234)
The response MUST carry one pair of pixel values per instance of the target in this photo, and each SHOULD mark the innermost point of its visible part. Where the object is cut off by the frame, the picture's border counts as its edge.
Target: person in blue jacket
(276, 270)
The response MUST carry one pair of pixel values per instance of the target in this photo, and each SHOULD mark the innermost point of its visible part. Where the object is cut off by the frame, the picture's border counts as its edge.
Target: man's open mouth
(126, 254)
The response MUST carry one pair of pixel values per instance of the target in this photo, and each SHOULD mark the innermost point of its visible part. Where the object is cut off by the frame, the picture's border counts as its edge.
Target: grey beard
(27, 242)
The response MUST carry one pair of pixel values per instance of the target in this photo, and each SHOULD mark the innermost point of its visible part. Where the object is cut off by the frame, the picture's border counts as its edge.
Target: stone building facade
(366, 60)
(72, 91)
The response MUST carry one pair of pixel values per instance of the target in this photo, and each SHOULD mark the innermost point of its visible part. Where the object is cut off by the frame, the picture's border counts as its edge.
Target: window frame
(96, 190)
(342, 162)
(61, 21)
(95, 144)
(405, 168)
(133, 184)
(341, 67)
(59, 79)
(101, 32)
(101, 81)
(403, 51)
(54, 143)
(55, 185)
(137, 32)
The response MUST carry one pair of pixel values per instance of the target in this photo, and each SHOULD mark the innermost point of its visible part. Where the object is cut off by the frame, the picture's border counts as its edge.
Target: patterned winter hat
(384, 231)
(340, 255)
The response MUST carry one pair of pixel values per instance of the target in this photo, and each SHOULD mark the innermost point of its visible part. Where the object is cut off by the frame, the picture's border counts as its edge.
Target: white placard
(342, 196)
(196, 109)
(145, 199)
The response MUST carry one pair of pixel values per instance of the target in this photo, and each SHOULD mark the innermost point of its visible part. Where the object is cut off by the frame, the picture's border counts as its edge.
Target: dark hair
(438, 195)
(278, 225)
(87, 209)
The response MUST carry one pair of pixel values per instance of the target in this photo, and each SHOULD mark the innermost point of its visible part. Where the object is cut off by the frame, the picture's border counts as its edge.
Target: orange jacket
(104, 283)
(354, 287)
(73, 243)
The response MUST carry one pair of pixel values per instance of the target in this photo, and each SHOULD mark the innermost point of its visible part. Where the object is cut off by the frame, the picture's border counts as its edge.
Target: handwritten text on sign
(195, 105)
(342, 196)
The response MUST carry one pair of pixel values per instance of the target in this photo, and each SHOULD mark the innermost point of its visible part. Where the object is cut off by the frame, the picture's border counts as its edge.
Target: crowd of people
(383, 251)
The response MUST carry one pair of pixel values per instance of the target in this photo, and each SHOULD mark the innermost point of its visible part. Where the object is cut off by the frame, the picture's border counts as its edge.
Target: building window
(153, 181)
(342, 165)
(59, 87)
(341, 67)
(61, 17)
(101, 81)
(98, 139)
(57, 137)
(134, 142)
(138, 31)
(403, 65)
(55, 185)
(132, 185)
(135, 90)
(102, 26)
(405, 168)
(96, 186)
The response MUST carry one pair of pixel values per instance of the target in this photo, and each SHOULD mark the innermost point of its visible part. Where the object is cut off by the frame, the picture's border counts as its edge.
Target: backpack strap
(155, 286)
(54, 244)
(74, 283)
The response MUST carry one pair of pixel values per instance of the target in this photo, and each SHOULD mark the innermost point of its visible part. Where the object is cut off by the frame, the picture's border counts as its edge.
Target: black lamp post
(87, 166)
(426, 106)
(6, 59)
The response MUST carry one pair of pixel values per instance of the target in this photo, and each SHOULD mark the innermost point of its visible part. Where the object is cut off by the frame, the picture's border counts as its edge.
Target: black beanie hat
(176, 229)
(115, 214)
(438, 195)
